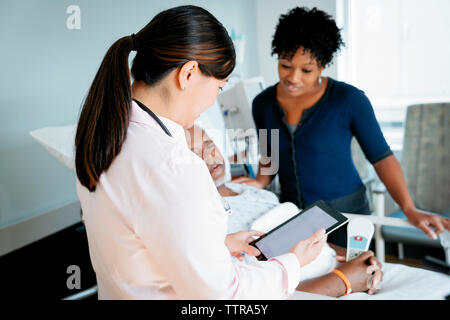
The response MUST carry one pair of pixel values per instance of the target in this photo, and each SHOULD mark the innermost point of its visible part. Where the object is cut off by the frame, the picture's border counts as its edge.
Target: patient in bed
(249, 203)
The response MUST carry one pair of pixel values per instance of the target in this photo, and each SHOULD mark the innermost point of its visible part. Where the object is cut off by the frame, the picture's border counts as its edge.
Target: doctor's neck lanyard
(154, 116)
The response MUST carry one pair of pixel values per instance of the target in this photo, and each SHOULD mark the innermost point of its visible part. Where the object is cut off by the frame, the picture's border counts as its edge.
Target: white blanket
(401, 282)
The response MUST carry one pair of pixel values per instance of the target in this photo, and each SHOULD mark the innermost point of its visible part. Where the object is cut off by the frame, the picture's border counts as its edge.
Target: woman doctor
(155, 222)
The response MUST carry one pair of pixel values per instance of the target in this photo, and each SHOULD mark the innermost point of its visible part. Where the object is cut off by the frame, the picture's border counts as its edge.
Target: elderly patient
(249, 203)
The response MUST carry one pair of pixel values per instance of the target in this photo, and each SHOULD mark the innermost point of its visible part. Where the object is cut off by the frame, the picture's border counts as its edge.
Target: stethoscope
(225, 204)
(154, 116)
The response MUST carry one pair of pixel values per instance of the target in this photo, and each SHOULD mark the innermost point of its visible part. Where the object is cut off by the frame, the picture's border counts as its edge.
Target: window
(397, 52)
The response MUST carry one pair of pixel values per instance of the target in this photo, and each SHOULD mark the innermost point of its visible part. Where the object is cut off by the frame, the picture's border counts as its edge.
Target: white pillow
(59, 141)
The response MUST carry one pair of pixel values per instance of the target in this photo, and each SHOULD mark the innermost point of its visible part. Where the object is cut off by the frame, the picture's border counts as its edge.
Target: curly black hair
(312, 29)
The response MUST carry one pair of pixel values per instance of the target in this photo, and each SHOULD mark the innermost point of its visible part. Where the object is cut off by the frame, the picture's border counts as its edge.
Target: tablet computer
(280, 240)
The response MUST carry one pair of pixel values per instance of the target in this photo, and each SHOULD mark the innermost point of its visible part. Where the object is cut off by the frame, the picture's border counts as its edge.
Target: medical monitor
(236, 103)
(236, 108)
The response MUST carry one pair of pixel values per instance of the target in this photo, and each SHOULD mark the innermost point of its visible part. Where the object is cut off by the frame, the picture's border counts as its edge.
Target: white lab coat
(156, 226)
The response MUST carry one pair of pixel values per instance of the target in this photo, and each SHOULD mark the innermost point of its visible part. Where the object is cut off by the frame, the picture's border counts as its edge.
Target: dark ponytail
(172, 38)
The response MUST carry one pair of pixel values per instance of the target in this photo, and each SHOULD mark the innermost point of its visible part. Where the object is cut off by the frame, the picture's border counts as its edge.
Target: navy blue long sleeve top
(315, 161)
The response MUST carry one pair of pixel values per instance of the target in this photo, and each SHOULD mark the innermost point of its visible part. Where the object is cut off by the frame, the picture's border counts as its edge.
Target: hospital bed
(399, 281)
(59, 141)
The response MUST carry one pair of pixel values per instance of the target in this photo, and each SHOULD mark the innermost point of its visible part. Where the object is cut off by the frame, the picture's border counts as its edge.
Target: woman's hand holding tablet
(307, 250)
(238, 242)
(304, 234)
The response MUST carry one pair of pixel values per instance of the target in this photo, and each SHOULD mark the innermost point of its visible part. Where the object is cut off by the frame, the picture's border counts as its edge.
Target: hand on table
(426, 221)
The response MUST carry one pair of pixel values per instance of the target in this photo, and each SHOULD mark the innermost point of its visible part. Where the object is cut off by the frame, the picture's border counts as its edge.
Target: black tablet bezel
(341, 220)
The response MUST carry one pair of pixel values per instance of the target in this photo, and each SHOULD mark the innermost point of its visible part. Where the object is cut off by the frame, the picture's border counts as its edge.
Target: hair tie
(135, 42)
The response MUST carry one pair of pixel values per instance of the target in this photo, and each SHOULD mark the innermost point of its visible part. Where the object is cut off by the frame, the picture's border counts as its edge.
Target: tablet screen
(280, 240)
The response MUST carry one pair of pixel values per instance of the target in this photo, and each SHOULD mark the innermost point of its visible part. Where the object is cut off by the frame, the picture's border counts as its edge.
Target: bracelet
(344, 278)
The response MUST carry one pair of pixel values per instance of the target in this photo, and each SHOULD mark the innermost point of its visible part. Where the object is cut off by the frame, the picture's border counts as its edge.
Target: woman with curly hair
(316, 118)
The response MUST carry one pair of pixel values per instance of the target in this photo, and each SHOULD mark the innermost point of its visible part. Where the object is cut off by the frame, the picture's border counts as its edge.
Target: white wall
(267, 14)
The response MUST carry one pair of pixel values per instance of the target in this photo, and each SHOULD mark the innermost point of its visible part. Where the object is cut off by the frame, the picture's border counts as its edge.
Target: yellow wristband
(344, 278)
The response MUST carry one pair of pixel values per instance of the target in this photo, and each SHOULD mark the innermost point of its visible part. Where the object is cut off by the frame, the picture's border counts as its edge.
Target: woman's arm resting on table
(368, 133)
(391, 174)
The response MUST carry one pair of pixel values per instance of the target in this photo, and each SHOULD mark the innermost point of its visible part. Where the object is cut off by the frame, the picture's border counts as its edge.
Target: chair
(426, 165)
